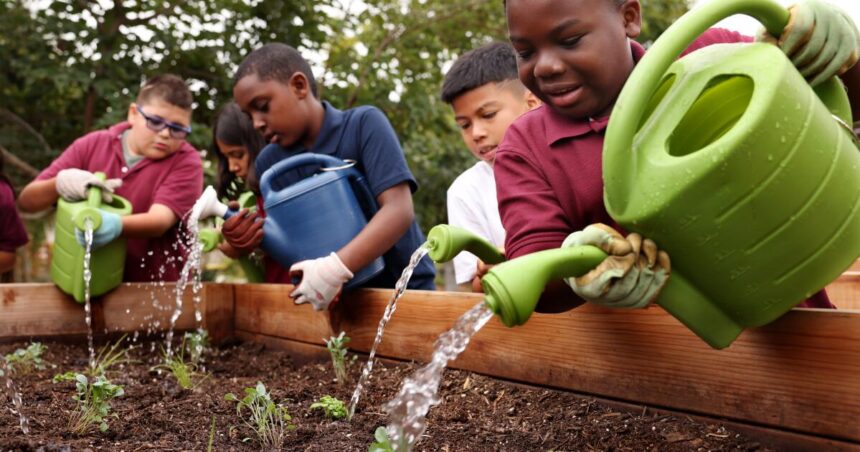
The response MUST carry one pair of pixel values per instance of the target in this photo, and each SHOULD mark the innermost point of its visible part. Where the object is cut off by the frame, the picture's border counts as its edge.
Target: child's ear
(132, 112)
(299, 85)
(531, 100)
(631, 11)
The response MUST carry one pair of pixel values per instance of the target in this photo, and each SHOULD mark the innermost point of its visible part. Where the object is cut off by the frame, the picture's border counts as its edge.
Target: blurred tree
(69, 66)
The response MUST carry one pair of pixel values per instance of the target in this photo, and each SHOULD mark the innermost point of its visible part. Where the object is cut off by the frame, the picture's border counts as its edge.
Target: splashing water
(191, 270)
(399, 288)
(17, 402)
(408, 410)
(88, 276)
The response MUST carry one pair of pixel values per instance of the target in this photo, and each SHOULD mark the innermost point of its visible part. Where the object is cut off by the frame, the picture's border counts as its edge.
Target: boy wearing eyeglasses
(147, 161)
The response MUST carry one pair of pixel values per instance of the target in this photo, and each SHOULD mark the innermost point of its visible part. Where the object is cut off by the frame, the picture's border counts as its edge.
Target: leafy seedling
(332, 407)
(382, 443)
(110, 356)
(184, 371)
(93, 401)
(195, 344)
(336, 346)
(26, 360)
(270, 421)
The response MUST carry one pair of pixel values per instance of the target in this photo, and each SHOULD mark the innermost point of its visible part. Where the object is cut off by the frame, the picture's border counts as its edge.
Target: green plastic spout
(446, 241)
(91, 213)
(513, 288)
(210, 238)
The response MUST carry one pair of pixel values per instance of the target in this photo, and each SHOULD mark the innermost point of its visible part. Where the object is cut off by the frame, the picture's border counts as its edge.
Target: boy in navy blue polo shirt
(275, 86)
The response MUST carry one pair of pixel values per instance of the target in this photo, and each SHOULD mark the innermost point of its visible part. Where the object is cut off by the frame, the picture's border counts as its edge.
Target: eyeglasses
(156, 124)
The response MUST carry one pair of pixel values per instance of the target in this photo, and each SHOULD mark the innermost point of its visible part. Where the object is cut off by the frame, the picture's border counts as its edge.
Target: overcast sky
(749, 26)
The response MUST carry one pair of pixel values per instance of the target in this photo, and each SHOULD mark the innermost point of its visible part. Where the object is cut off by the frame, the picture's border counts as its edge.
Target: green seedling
(195, 344)
(110, 356)
(270, 421)
(26, 360)
(336, 346)
(382, 443)
(93, 401)
(332, 407)
(184, 371)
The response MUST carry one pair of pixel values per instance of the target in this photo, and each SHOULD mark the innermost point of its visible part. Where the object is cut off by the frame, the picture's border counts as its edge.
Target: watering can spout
(208, 205)
(444, 242)
(90, 216)
(513, 288)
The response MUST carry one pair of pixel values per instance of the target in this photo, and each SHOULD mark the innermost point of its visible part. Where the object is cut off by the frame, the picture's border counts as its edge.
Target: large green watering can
(731, 163)
(67, 262)
(210, 238)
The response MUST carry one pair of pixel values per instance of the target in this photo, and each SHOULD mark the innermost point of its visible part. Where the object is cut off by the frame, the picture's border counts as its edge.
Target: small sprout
(270, 421)
(211, 436)
(110, 356)
(25, 360)
(185, 372)
(337, 348)
(195, 344)
(93, 401)
(382, 443)
(332, 407)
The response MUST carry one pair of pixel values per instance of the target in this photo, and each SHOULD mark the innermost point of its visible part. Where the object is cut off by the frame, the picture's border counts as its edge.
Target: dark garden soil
(478, 413)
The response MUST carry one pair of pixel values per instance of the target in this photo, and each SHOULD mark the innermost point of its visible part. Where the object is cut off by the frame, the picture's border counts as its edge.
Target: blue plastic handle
(296, 161)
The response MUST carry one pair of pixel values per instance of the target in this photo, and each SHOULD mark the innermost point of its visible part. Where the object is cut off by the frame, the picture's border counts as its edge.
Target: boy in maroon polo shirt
(575, 55)
(148, 162)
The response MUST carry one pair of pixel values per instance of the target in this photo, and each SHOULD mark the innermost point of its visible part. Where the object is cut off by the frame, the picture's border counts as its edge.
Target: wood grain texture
(799, 373)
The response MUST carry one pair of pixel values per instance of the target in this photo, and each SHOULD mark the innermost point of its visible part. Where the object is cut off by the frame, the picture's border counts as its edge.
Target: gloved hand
(630, 277)
(72, 185)
(243, 231)
(820, 39)
(109, 230)
(321, 280)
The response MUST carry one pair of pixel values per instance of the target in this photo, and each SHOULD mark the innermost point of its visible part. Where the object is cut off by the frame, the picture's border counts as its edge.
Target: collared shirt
(362, 134)
(472, 206)
(175, 181)
(12, 232)
(549, 177)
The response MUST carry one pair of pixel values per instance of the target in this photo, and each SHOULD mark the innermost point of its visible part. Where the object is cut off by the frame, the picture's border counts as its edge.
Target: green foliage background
(75, 65)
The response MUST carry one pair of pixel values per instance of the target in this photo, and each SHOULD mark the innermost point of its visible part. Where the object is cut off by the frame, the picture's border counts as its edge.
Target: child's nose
(548, 65)
(479, 132)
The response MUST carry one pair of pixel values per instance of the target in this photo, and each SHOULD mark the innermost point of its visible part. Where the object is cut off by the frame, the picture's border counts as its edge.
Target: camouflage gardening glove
(820, 39)
(72, 185)
(243, 231)
(630, 277)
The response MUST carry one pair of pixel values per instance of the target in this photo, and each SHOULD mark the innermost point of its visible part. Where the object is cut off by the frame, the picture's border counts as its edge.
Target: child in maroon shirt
(12, 232)
(575, 55)
(151, 165)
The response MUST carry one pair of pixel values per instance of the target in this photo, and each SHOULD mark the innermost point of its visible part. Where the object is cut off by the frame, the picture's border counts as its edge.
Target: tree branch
(26, 126)
(13, 160)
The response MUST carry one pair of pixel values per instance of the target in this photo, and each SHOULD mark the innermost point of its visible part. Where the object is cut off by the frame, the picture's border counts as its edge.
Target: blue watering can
(313, 217)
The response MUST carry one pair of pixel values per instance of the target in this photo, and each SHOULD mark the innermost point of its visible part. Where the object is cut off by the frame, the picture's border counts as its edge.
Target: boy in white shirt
(484, 89)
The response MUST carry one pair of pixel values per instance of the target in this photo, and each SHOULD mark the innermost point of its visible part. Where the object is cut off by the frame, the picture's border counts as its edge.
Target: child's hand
(243, 231)
(480, 271)
(109, 230)
(820, 39)
(630, 277)
(321, 280)
(72, 185)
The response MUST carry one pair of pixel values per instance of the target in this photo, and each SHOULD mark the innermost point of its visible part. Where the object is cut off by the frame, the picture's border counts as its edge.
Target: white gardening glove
(321, 280)
(630, 277)
(72, 185)
(821, 40)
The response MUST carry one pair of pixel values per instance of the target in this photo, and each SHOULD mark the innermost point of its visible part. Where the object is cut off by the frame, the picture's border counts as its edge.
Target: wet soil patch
(477, 413)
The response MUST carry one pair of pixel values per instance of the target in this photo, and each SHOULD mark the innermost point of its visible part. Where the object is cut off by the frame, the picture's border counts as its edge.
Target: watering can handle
(296, 161)
(91, 212)
(649, 71)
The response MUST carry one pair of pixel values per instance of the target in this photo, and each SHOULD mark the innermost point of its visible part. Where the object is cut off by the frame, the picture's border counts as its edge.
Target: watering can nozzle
(208, 205)
(444, 242)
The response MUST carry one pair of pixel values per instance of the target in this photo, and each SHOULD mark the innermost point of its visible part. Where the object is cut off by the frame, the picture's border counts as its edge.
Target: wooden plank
(42, 310)
(218, 311)
(799, 373)
(845, 291)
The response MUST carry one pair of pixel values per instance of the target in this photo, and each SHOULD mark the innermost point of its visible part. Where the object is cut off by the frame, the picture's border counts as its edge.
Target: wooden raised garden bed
(794, 383)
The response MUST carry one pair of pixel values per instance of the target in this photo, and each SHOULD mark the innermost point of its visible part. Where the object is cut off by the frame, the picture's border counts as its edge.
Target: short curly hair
(275, 61)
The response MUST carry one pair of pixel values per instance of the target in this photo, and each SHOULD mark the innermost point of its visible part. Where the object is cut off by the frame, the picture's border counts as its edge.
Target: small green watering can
(731, 163)
(67, 262)
(210, 238)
